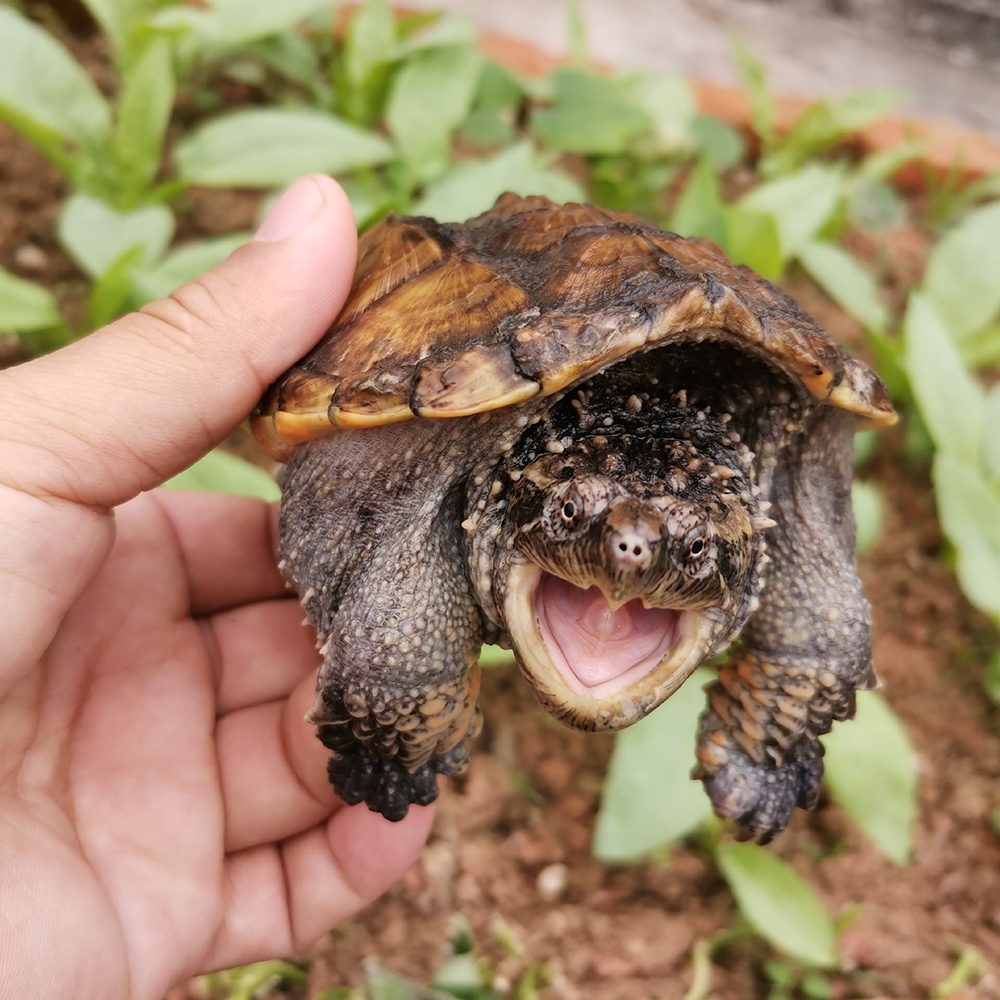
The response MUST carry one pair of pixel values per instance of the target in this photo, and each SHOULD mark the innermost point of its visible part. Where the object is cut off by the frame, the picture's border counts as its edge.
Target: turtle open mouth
(595, 644)
(590, 661)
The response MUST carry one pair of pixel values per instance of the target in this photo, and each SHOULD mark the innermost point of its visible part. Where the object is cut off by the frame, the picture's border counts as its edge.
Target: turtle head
(614, 586)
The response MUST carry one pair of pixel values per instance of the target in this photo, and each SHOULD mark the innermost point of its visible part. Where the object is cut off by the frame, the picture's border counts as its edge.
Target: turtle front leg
(806, 650)
(396, 696)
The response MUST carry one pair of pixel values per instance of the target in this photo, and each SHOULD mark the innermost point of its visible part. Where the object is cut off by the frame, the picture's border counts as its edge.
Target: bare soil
(532, 792)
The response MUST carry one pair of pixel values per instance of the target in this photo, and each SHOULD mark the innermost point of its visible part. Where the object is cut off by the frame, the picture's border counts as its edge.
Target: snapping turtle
(558, 428)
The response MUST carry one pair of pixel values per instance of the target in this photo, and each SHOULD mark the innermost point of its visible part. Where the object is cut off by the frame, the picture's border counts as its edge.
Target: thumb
(137, 401)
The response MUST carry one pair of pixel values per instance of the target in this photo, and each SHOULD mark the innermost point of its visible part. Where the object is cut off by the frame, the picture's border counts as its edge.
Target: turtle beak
(598, 663)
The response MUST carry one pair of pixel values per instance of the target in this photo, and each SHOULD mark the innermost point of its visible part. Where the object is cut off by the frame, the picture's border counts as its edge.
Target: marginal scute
(484, 378)
(447, 320)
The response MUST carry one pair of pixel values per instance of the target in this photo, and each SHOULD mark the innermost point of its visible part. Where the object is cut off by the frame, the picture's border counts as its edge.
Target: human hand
(164, 808)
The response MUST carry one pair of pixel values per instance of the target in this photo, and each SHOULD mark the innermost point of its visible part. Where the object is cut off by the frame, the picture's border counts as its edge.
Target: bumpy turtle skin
(381, 573)
(806, 650)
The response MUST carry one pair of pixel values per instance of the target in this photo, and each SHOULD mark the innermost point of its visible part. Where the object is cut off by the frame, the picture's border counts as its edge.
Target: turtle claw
(385, 785)
(759, 798)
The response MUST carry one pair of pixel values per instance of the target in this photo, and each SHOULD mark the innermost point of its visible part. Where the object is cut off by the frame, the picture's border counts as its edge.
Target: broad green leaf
(751, 74)
(220, 472)
(846, 282)
(119, 20)
(369, 49)
(870, 772)
(969, 511)
(181, 265)
(874, 205)
(472, 186)
(590, 114)
(669, 102)
(718, 140)
(495, 656)
(43, 85)
(458, 29)
(868, 514)
(96, 235)
(962, 279)
(226, 24)
(431, 96)
(991, 439)
(25, 306)
(649, 798)
(292, 56)
(800, 204)
(751, 238)
(144, 107)
(698, 211)
(269, 147)
(460, 975)
(780, 905)
(982, 347)
(824, 123)
(951, 401)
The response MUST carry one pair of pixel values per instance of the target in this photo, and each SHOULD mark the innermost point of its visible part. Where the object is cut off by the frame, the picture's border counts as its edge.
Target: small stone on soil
(552, 881)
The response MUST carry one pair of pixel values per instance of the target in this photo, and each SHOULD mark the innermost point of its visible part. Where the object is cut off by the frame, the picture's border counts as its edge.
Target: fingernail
(292, 212)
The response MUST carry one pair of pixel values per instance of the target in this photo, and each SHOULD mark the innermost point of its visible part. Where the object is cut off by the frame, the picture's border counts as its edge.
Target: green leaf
(991, 439)
(459, 976)
(698, 211)
(981, 348)
(649, 798)
(780, 905)
(228, 24)
(874, 205)
(870, 772)
(220, 472)
(590, 114)
(472, 186)
(44, 87)
(112, 294)
(824, 123)
(668, 101)
(181, 265)
(270, 147)
(369, 50)
(846, 282)
(458, 29)
(144, 108)
(868, 514)
(751, 74)
(969, 511)
(25, 306)
(121, 21)
(96, 235)
(718, 140)
(751, 238)
(431, 96)
(962, 279)
(800, 204)
(951, 401)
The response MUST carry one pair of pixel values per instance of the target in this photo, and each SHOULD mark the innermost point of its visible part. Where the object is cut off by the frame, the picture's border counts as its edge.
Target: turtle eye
(571, 511)
(695, 552)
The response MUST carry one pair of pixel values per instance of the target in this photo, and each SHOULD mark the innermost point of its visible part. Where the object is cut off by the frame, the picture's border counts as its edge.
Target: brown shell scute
(529, 298)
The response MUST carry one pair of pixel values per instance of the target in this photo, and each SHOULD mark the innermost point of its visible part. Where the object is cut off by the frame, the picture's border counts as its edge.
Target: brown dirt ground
(531, 795)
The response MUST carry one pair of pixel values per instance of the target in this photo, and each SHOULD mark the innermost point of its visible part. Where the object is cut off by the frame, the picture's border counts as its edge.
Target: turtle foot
(761, 798)
(385, 785)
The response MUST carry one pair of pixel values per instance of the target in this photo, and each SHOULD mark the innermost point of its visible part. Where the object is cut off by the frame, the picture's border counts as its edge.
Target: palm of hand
(165, 809)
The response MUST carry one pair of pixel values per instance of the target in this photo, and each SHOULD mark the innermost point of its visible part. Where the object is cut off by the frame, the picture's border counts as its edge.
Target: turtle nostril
(622, 547)
(637, 551)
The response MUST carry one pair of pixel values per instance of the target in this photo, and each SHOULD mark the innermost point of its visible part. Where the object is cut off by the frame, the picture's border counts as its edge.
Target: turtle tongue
(597, 642)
